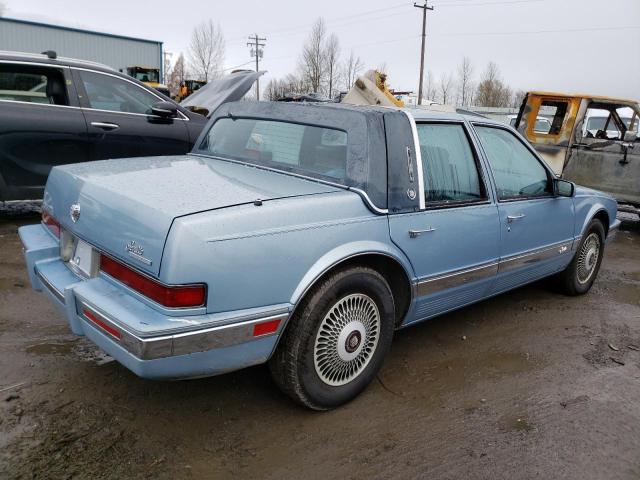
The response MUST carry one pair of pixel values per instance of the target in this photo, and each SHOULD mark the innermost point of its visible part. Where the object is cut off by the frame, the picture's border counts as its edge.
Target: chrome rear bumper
(180, 343)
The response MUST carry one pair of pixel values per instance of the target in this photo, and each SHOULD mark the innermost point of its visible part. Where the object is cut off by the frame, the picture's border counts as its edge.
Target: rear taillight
(178, 296)
(51, 223)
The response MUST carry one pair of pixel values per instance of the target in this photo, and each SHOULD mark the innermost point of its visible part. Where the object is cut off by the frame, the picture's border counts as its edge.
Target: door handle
(105, 125)
(511, 218)
(417, 233)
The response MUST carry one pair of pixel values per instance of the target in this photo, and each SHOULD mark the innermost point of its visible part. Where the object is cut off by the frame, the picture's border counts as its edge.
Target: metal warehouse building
(116, 51)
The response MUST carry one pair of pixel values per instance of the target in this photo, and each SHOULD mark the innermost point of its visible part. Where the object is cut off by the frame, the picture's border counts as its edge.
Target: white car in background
(543, 125)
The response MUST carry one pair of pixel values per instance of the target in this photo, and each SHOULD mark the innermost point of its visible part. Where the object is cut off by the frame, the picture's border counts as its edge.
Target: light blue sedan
(304, 236)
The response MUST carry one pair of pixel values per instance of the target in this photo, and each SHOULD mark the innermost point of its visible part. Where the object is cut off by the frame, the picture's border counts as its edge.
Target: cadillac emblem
(74, 212)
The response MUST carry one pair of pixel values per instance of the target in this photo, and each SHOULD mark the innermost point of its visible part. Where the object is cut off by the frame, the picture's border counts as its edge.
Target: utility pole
(257, 52)
(424, 35)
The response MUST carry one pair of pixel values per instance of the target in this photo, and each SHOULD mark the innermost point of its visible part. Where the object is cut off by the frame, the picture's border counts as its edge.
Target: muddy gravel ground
(531, 384)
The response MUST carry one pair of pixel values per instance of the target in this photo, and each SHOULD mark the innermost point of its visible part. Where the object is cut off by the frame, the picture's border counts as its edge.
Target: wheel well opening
(393, 273)
(604, 218)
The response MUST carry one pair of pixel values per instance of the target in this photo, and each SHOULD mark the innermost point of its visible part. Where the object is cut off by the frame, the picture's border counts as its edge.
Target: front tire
(337, 339)
(579, 276)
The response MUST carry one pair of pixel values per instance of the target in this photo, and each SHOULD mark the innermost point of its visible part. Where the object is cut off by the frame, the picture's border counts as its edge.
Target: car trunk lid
(127, 206)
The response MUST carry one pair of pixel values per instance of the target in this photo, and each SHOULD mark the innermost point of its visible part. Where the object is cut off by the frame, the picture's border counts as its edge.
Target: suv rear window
(305, 149)
(23, 83)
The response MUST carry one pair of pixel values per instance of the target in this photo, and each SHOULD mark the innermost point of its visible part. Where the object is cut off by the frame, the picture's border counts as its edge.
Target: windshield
(598, 123)
(146, 75)
(303, 149)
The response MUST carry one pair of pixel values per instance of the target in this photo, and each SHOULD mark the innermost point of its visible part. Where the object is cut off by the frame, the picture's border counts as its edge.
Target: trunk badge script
(136, 251)
(74, 212)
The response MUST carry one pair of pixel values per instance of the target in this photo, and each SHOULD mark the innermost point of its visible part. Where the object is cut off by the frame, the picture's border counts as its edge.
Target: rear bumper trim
(49, 286)
(184, 343)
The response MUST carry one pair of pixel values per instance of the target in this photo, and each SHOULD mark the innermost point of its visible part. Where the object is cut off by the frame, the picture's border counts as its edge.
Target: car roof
(419, 114)
(41, 58)
(425, 114)
(601, 98)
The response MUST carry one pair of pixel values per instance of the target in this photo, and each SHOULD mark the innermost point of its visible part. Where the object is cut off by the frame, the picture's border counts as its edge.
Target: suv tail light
(51, 223)
(172, 296)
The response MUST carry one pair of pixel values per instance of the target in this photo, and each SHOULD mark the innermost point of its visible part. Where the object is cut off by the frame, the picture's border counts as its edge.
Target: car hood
(137, 199)
(225, 89)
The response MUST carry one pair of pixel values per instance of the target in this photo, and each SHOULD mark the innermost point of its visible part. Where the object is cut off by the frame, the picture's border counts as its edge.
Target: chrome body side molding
(455, 279)
(527, 259)
(439, 283)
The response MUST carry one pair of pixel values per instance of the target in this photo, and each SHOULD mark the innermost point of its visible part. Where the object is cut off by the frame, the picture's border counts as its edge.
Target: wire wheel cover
(347, 339)
(588, 258)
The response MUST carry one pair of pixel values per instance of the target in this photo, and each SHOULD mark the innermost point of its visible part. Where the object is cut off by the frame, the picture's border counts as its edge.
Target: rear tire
(337, 339)
(579, 276)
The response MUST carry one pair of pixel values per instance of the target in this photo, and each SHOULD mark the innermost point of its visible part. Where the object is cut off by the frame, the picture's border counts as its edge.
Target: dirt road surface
(531, 384)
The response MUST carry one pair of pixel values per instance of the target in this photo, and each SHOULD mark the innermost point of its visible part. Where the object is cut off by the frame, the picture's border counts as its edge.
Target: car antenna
(50, 54)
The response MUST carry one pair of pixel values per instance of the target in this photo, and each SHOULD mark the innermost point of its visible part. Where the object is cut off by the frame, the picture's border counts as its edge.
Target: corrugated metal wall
(116, 52)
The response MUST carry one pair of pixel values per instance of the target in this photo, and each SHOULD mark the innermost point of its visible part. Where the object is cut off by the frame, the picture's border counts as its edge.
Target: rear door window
(32, 84)
(449, 165)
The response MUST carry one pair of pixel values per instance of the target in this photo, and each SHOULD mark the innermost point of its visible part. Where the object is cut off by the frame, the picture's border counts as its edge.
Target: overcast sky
(567, 45)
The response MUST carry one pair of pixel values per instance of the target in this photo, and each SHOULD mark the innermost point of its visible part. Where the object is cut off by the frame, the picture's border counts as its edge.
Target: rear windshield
(304, 149)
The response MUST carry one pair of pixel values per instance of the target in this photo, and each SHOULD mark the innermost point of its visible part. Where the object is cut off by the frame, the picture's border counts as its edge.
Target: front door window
(516, 170)
(105, 92)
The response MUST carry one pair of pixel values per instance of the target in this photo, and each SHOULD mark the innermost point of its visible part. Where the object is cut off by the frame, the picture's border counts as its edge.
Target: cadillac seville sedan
(303, 236)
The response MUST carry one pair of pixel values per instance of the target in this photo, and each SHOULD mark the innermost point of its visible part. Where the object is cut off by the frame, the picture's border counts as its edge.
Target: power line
(500, 2)
(535, 32)
(300, 29)
(257, 52)
(424, 7)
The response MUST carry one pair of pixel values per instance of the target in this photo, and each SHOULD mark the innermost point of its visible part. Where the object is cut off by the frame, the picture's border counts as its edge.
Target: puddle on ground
(11, 283)
(625, 293)
(635, 276)
(516, 423)
(59, 348)
(490, 362)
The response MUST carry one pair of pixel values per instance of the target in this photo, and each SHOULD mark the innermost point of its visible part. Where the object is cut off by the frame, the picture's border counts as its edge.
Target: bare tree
(350, 70)
(313, 59)
(518, 97)
(465, 82)
(3, 8)
(177, 75)
(445, 86)
(332, 58)
(383, 68)
(429, 87)
(206, 50)
(492, 92)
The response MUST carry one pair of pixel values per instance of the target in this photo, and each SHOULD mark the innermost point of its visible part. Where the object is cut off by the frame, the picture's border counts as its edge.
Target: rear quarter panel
(254, 256)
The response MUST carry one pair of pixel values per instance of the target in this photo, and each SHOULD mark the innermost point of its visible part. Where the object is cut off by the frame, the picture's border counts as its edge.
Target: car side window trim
(485, 190)
(85, 106)
(550, 174)
(418, 155)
